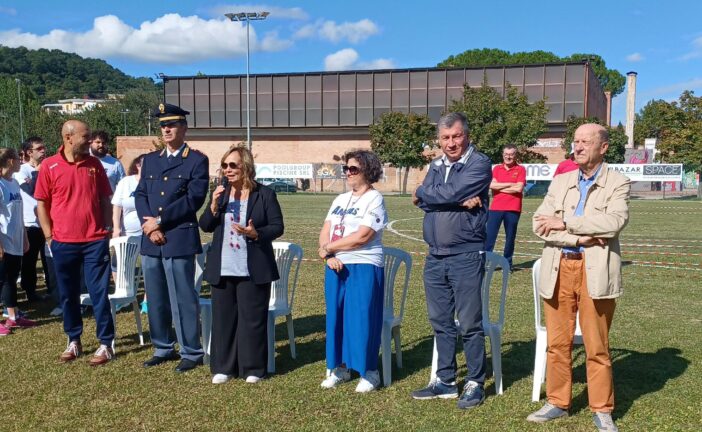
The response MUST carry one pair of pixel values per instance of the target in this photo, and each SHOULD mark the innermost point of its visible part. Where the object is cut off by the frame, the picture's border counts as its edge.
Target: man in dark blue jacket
(454, 197)
(172, 188)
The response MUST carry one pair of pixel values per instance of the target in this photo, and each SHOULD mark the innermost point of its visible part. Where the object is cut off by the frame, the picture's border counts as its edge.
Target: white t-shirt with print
(354, 212)
(24, 175)
(11, 219)
(124, 197)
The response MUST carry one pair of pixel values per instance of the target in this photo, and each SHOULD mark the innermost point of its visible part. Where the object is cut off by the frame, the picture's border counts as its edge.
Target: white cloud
(696, 50)
(634, 57)
(8, 11)
(347, 59)
(674, 89)
(294, 13)
(341, 60)
(168, 39)
(353, 32)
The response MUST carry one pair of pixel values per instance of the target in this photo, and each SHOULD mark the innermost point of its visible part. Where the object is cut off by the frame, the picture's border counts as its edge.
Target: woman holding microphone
(245, 217)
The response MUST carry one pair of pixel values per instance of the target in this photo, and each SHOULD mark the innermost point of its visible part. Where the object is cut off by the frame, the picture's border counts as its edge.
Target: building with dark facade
(317, 116)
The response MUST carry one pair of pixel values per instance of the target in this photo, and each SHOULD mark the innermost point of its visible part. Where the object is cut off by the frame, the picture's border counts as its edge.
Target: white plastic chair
(492, 329)
(541, 338)
(205, 303)
(126, 251)
(394, 259)
(288, 257)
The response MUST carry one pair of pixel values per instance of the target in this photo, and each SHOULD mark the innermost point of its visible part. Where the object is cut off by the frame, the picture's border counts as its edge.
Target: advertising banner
(303, 171)
(636, 172)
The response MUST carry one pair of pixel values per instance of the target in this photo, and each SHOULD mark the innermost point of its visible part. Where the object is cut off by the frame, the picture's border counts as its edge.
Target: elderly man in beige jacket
(580, 221)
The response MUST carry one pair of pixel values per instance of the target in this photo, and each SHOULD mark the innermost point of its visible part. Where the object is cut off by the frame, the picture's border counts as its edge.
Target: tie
(170, 159)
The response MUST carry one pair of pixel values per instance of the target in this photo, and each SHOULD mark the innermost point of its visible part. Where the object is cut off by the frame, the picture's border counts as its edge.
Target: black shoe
(186, 365)
(156, 360)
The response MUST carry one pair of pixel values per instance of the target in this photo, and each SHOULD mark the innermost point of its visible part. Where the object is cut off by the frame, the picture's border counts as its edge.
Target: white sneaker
(368, 383)
(253, 379)
(336, 377)
(220, 378)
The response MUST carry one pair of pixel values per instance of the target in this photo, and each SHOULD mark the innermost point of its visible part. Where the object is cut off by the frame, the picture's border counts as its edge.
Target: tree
(617, 137)
(10, 119)
(656, 117)
(681, 140)
(610, 79)
(400, 140)
(495, 121)
(54, 74)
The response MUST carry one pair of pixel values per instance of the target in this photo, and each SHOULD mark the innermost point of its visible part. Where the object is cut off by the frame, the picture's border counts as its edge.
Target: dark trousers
(239, 327)
(9, 270)
(495, 219)
(452, 285)
(29, 264)
(94, 259)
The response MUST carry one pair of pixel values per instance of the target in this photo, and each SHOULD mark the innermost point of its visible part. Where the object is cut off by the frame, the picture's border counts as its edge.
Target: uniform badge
(162, 108)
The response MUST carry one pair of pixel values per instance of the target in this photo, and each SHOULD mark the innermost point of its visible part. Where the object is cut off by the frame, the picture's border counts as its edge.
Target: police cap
(168, 114)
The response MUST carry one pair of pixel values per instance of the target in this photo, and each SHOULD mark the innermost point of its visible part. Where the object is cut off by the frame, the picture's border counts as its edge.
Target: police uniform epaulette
(186, 152)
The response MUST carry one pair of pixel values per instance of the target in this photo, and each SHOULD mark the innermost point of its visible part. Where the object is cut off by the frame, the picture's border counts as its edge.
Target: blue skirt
(354, 299)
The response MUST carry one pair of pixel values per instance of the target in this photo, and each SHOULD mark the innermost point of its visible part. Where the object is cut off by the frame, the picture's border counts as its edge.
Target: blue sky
(662, 41)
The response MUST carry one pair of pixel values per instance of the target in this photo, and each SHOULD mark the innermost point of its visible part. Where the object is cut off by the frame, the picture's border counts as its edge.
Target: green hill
(54, 74)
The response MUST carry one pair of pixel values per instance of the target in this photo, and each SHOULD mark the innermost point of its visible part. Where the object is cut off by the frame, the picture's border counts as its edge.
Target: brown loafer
(102, 356)
(73, 351)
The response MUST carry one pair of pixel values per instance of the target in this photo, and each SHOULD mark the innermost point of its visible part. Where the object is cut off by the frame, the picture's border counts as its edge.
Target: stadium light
(247, 17)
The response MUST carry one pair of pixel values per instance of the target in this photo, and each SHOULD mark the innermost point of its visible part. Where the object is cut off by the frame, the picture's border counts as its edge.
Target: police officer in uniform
(173, 186)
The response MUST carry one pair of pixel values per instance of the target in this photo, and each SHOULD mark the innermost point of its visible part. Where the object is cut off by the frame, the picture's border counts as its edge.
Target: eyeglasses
(350, 170)
(232, 165)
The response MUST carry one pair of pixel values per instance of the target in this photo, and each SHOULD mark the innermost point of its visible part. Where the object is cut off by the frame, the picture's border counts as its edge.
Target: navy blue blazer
(264, 210)
(174, 191)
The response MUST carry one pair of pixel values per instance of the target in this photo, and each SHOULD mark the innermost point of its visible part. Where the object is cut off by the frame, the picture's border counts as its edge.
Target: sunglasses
(351, 170)
(232, 165)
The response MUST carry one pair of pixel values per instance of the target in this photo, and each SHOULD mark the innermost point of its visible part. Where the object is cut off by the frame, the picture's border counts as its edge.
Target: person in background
(124, 216)
(245, 217)
(351, 243)
(35, 150)
(508, 180)
(74, 211)
(13, 240)
(580, 221)
(568, 164)
(99, 147)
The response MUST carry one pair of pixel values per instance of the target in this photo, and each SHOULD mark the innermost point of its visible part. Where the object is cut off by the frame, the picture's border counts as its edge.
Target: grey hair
(448, 120)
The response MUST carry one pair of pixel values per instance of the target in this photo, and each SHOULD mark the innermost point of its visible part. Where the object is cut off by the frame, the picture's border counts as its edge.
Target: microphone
(223, 199)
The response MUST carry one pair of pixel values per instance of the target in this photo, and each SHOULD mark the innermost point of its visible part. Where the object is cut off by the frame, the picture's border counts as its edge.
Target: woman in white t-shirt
(13, 239)
(124, 216)
(351, 244)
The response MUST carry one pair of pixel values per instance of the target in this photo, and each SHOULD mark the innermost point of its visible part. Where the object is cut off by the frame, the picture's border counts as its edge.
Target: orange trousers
(569, 298)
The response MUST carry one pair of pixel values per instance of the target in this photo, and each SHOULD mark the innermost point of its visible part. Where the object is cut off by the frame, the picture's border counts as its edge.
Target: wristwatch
(158, 220)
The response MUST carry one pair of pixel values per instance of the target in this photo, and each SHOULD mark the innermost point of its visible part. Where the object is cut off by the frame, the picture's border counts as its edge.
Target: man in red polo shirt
(508, 180)
(74, 210)
(568, 164)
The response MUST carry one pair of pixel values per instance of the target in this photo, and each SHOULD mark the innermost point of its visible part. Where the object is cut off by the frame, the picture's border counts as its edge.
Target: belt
(572, 255)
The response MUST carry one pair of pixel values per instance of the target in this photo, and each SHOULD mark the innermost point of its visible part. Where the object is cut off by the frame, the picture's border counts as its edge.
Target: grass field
(656, 344)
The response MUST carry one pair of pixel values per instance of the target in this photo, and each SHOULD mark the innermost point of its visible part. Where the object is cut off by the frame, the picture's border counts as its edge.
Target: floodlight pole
(248, 17)
(19, 102)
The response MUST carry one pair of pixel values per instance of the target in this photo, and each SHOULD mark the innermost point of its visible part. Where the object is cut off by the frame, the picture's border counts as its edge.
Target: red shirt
(504, 201)
(73, 191)
(567, 165)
